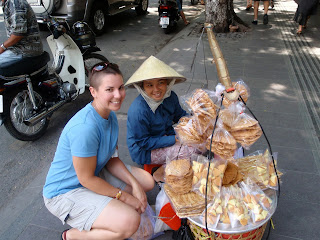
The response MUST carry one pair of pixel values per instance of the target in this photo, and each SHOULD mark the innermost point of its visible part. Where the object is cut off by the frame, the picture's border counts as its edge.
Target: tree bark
(221, 14)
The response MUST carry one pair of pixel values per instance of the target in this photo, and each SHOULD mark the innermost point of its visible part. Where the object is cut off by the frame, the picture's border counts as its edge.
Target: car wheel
(142, 8)
(98, 18)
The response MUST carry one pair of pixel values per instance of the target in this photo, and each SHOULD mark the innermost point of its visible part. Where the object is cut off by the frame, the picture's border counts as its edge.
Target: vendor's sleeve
(84, 141)
(139, 124)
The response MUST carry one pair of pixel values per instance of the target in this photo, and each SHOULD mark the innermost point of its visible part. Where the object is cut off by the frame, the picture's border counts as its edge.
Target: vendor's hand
(139, 193)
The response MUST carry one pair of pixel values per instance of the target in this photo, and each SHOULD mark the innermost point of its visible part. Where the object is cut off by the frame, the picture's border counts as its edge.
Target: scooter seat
(26, 65)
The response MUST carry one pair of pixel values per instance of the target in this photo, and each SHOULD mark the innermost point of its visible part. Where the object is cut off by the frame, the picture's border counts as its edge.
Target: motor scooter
(30, 92)
(168, 15)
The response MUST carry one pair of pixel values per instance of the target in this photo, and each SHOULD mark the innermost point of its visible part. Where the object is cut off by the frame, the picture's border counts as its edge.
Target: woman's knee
(131, 224)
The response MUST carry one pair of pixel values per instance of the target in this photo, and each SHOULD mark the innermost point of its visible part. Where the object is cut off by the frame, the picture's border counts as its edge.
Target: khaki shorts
(80, 207)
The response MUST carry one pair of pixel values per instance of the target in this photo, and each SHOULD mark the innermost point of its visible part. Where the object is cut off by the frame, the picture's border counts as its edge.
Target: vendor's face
(110, 93)
(155, 88)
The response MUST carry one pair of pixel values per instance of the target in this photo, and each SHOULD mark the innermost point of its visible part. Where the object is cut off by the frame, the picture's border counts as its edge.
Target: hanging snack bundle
(223, 143)
(200, 167)
(200, 102)
(243, 90)
(227, 117)
(245, 130)
(203, 109)
(178, 175)
(186, 131)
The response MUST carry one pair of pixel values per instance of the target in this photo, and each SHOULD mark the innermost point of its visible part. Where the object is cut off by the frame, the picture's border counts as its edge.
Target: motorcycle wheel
(17, 109)
(98, 18)
(142, 8)
(89, 61)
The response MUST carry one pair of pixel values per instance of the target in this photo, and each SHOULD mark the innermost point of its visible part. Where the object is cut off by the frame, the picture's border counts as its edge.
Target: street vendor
(88, 186)
(150, 135)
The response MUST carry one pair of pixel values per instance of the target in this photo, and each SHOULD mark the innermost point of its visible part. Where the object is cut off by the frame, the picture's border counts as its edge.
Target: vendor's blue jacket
(147, 130)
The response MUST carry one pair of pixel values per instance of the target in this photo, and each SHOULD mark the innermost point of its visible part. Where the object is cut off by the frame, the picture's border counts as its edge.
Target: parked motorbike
(30, 92)
(168, 15)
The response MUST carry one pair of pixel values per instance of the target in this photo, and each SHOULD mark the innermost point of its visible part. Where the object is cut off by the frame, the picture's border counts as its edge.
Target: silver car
(94, 12)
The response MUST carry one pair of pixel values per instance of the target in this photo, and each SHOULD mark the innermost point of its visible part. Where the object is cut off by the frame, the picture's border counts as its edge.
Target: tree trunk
(221, 14)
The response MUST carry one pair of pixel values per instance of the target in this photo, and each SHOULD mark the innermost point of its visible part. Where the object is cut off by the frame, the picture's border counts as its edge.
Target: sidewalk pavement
(282, 72)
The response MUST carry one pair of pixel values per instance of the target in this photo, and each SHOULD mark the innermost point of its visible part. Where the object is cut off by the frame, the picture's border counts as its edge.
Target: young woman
(150, 135)
(88, 186)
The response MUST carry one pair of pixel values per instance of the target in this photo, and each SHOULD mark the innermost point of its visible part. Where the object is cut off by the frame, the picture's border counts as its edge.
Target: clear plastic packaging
(200, 166)
(245, 130)
(257, 202)
(237, 210)
(201, 101)
(147, 223)
(187, 131)
(222, 143)
(214, 210)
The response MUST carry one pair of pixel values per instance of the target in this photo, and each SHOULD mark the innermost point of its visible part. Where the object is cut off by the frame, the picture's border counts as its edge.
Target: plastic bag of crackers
(244, 128)
(222, 143)
(200, 166)
(147, 222)
(214, 210)
(259, 167)
(256, 200)
(237, 209)
(201, 103)
(188, 132)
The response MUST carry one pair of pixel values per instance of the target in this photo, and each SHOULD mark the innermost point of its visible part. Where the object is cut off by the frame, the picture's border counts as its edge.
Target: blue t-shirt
(86, 134)
(147, 130)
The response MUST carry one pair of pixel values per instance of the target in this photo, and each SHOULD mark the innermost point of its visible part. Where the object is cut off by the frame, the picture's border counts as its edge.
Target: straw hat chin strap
(150, 101)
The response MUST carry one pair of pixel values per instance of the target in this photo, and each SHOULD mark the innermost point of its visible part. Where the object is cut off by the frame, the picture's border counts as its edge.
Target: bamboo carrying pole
(222, 70)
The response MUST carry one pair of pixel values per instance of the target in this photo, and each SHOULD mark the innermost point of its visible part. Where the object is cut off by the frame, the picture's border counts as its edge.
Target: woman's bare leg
(116, 221)
(255, 10)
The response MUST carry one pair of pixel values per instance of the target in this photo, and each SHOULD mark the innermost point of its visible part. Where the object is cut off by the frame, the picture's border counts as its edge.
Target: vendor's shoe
(265, 19)
(255, 22)
(249, 7)
(271, 4)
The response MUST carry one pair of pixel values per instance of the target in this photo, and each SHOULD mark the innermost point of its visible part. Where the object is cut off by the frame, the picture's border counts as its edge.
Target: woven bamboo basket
(201, 234)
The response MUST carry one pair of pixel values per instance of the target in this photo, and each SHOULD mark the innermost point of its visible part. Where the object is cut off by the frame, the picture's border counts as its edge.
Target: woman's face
(155, 88)
(110, 93)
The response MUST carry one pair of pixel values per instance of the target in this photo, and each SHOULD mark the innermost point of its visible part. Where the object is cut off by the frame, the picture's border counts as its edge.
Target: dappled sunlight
(277, 90)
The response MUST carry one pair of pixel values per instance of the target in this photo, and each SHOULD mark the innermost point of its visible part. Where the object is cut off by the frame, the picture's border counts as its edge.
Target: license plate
(1, 104)
(164, 21)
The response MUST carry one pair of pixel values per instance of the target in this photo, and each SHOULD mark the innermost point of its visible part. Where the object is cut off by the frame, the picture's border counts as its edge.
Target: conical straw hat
(153, 68)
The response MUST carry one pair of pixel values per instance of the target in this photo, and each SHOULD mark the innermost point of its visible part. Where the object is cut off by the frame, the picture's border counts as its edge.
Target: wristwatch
(3, 47)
